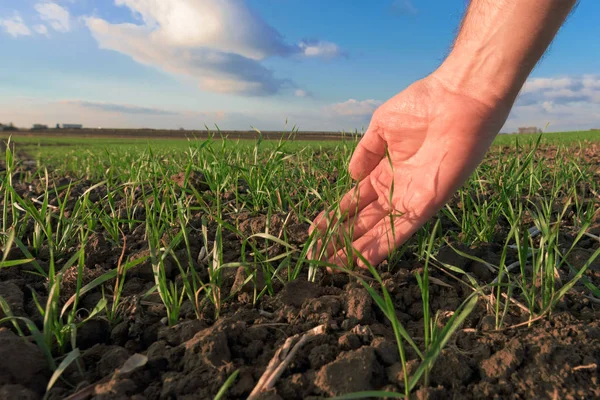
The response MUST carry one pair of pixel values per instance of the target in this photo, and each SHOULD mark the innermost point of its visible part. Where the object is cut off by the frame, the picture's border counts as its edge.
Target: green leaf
(223, 390)
(13, 263)
(64, 364)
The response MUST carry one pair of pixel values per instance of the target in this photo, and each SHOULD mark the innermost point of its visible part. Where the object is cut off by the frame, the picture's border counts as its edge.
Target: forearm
(499, 44)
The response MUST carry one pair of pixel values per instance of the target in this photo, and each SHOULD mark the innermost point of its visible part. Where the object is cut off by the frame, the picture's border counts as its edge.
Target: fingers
(354, 201)
(376, 245)
(356, 226)
(368, 153)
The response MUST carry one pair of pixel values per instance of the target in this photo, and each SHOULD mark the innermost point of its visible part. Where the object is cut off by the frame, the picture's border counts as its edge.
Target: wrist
(483, 74)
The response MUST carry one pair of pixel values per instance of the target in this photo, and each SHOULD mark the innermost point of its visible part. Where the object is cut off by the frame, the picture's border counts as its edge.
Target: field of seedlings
(136, 269)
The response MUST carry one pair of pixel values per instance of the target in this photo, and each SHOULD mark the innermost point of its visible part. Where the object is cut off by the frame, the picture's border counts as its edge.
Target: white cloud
(220, 43)
(569, 89)
(354, 108)
(567, 102)
(226, 26)
(320, 49)
(15, 26)
(302, 93)
(41, 29)
(58, 17)
(215, 70)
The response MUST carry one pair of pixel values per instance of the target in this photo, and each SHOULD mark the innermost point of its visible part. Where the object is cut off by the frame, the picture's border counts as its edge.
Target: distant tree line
(9, 127)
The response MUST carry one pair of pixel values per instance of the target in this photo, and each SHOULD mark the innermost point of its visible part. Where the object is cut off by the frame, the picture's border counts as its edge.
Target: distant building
(38, 127)
(9, 127)
(529, 129)
(72, 126)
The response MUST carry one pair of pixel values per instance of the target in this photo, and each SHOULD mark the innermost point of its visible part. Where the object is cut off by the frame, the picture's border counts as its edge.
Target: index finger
(351, 203)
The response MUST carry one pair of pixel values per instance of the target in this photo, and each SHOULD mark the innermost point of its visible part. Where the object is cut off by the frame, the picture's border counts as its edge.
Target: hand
(435, 138)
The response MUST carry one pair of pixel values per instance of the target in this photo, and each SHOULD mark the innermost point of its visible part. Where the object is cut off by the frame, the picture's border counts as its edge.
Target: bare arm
(499, 44)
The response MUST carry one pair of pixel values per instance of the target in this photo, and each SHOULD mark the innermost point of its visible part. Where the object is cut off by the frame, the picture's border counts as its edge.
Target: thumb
(368, 153)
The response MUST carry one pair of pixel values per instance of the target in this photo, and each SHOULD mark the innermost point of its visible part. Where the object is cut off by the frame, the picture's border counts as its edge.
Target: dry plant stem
(592, 236)
(589, 366)
(515, 302)
(525, 323)
(282, 358)
(41, 202)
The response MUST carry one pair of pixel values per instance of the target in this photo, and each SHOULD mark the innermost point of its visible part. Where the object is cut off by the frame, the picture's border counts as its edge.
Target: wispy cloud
(15, 26)
(41, 29)
(354, 108)
(119, 108)
(403, 7)
(58, 17)
(221, 43)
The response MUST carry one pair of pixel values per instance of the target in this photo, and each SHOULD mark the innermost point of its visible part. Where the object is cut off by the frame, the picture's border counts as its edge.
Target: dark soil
(556, 357)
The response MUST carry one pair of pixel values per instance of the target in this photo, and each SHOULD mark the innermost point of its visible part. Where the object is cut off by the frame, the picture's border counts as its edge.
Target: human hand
(434, 137)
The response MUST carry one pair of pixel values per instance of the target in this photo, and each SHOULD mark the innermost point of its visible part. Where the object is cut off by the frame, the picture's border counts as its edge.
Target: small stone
(364, 333)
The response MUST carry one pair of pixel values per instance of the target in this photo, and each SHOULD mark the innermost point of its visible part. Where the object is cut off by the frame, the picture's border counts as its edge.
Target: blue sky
(320, 65)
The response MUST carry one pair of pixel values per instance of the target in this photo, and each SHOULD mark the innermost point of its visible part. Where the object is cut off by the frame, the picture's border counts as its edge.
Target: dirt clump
(194, 179)
(351, 372)
(21, 363)
(14, 297)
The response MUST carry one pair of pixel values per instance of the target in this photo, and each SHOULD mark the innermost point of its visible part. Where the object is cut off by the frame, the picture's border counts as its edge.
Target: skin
(425, 142)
